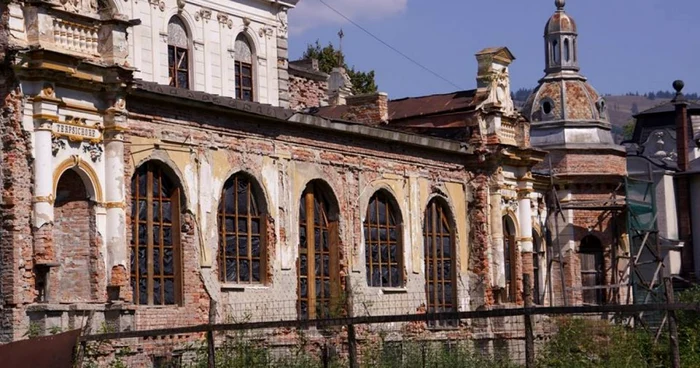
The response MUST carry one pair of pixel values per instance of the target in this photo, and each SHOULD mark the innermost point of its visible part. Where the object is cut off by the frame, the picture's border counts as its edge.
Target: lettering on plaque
(77, 130)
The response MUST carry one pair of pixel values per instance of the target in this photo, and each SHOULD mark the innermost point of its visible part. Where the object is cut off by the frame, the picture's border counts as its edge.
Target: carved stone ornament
(48, 91)
(181, 5)
(283, 25)
(157, 4)
(266, 31)
(57, 144)
(202, 14)
(224, 20)
(80, 6)
(94, 149)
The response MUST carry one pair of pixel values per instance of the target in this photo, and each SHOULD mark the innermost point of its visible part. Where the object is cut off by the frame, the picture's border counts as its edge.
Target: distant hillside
(621, 108)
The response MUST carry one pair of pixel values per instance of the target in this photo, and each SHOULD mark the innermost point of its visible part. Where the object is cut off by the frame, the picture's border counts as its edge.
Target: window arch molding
(87, 174)
(169, 166)
(243, 222)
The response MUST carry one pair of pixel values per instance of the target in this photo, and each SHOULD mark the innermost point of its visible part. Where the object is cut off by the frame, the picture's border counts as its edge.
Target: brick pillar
(117, 257)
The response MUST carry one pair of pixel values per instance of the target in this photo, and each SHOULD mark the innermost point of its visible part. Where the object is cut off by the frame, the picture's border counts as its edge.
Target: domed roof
(566, 99)
(560, 22)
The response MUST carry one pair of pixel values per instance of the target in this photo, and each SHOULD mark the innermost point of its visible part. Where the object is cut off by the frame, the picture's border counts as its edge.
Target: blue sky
(624, 45)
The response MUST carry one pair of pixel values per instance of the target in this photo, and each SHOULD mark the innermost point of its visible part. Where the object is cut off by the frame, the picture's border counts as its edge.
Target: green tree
(328, 58)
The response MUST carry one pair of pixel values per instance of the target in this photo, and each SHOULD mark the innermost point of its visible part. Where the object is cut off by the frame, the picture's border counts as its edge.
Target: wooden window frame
(150, 170)
(307, 225)
(436, 212)
(174, 66)
(239, 65)
(260, 216)
(391, 210)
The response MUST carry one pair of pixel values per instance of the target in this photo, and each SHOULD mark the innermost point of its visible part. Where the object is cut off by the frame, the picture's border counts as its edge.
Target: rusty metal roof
(434, 104)
(412, 107)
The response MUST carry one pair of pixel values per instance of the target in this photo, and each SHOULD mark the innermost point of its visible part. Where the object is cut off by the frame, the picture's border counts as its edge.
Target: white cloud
(312, 13)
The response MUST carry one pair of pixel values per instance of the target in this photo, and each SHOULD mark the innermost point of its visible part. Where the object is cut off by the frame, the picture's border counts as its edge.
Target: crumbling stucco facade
(117, 182)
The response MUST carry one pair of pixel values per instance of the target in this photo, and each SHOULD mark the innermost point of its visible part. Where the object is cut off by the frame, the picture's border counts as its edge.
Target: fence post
(352, 338)
(672, 327)
(211, 350)
(529, 335)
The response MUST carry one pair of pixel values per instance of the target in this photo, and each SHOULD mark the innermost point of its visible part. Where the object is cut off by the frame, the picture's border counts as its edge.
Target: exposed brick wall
(577, 162)
(81, 270)
(371, 109)
(306, 92)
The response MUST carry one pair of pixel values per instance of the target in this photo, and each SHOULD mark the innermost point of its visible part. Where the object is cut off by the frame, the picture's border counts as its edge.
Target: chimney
(685, 231)
(339, 87)
(368, 109)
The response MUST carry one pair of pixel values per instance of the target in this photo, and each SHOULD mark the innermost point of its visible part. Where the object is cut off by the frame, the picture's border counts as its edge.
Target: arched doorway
(74, 234)
(318, 266)
(592, 260)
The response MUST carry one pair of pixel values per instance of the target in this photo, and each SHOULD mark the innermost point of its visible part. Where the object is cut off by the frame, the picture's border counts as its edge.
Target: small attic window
(547, 107)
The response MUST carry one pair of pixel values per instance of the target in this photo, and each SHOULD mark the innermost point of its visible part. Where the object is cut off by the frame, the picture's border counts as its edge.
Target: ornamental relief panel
(77, 132)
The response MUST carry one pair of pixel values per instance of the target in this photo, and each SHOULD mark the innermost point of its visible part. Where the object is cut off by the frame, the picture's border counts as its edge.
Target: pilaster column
(45, 114)
(525, 189)
(496, 252)
(115, 125)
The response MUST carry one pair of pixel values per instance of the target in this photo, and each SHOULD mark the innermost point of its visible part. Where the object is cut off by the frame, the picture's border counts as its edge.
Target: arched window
(243, 68)
(242, 246)
(509, 259)
(178, 55)
(592, 261)
(383, 247)
(318, 269)
(155, 242)
(567, 50)
(439, 250)
(556, 52)
(536, 266)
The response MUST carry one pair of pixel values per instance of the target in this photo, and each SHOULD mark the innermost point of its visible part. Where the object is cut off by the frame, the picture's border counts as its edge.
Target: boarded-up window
(178, 58)
(439, 250)
(243, 68)
(241, 233)
(592, 261)
(383, 247)
(155, 241)
(318, 269)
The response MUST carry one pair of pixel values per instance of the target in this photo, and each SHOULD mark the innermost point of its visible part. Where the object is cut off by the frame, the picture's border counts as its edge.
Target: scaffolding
(637, 266)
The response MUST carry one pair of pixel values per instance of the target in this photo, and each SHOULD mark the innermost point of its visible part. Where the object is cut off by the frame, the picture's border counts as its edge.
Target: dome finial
(560, 4)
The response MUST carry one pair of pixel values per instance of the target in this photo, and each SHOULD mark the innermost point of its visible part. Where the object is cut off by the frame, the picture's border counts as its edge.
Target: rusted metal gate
(55, 351)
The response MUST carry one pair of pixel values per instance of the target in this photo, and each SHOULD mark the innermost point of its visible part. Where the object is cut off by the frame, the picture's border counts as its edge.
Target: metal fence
(530, 336)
